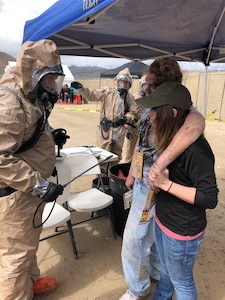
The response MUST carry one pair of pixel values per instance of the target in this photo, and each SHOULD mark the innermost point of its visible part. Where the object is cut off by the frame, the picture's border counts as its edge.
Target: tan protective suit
(129, 145)
(18, 119)
(112, 106)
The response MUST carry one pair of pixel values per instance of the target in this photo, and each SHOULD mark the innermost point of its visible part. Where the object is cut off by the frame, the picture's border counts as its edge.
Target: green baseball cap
(172, 93)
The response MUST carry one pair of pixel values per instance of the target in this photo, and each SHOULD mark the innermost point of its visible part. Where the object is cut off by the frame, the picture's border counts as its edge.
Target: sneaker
(129, 296)
(44, 285)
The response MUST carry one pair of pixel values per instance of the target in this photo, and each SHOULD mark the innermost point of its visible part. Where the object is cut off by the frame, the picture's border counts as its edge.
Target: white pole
(205, 92)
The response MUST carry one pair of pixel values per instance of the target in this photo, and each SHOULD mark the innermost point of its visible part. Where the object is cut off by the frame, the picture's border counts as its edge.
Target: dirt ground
(97, 274)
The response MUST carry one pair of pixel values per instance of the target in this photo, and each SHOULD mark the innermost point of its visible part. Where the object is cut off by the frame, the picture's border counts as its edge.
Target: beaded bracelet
(170, 187)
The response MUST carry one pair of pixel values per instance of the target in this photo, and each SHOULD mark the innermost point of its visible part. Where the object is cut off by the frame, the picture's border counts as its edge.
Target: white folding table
(100, 153)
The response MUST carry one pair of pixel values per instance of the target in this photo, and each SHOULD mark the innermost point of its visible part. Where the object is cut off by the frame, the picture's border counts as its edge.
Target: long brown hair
(166, 125)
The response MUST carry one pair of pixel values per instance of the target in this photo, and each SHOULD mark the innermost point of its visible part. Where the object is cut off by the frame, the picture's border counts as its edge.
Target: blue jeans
(140, 259)
(177, 260)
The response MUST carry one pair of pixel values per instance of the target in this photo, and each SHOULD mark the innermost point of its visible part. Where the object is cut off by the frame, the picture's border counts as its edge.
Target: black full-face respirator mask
(47, 86)
(123, 90)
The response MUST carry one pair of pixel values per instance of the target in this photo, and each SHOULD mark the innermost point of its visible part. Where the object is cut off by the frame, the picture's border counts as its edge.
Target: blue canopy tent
(186, 30)
(62, 14)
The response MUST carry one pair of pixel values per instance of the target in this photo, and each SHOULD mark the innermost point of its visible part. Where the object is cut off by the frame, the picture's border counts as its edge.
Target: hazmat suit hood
(35, 60)
(123, 75)
(141, 84)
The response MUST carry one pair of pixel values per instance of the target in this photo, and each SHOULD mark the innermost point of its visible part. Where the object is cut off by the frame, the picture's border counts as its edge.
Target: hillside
(4, 58)
(87, 72)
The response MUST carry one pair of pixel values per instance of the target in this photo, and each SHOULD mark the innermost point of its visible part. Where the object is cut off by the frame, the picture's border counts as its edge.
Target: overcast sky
(14, 14)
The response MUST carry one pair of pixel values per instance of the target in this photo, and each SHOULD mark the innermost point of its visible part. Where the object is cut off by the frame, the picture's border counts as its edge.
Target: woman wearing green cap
(139, 255)
(184, 191)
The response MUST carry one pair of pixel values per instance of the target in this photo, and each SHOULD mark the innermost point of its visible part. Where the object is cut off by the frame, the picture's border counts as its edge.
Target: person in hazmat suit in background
(28, 93)
(118, 108)
(132, 131)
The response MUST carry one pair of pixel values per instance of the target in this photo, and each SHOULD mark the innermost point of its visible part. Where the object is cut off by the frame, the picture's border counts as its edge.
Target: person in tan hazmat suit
(118, 108)
(132, 131)
(28, 92)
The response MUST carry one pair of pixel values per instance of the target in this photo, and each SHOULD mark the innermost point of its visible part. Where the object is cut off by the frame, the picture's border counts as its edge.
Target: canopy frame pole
(216, 27)
(205, 91)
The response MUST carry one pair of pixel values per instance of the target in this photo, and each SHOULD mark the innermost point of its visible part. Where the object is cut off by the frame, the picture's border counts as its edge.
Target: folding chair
(92, 199)
(56, 214)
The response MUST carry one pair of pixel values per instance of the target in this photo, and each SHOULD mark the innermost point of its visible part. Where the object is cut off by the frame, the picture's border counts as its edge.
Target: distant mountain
(86, 72)
(93, 72)
(4, 58)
